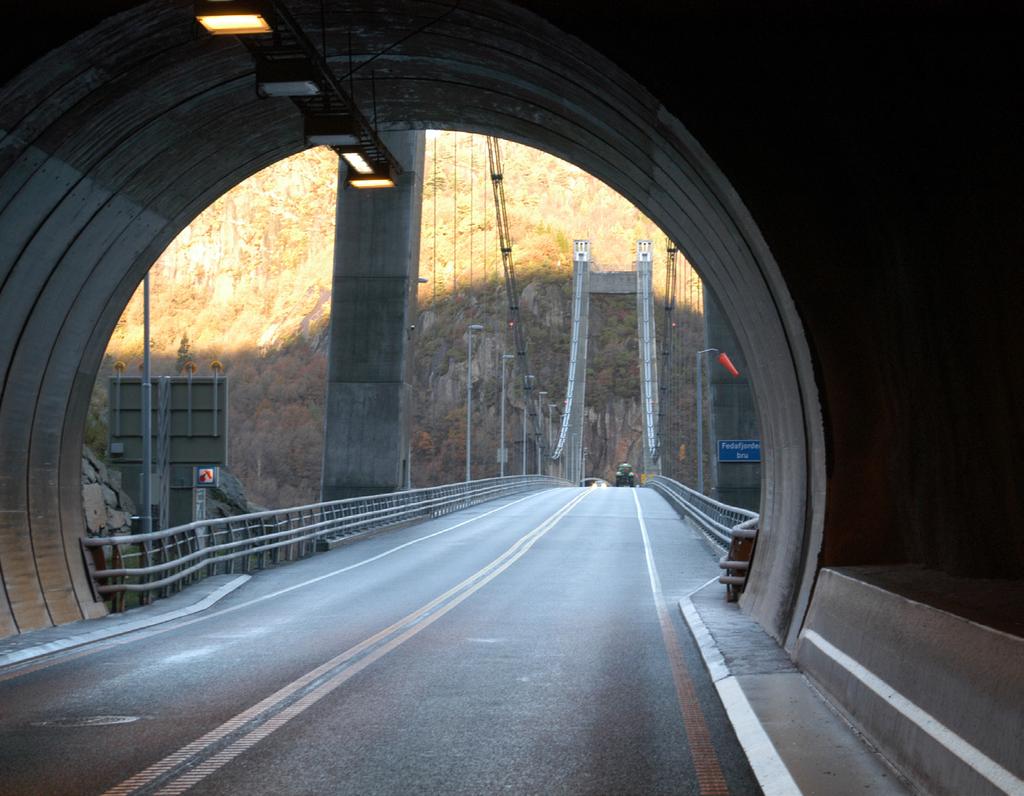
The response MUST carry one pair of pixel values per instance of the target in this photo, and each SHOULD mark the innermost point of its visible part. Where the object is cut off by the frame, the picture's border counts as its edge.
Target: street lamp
(502, 450)
(540, 410)
(473, 327)
(727, 364)
(526, 396)
(551, 415)
(146, 388)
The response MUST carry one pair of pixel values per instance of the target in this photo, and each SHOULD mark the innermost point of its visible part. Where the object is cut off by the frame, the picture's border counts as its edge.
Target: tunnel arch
(112, 143)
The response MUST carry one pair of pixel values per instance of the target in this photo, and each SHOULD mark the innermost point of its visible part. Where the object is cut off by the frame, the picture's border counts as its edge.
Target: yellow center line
(376, 647)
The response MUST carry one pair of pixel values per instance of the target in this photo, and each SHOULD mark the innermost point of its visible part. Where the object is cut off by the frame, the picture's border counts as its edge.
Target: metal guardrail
(731, 527)
(718, 519)
(160, 563)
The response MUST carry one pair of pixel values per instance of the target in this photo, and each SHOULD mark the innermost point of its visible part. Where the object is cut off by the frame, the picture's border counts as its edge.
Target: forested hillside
(248, 283)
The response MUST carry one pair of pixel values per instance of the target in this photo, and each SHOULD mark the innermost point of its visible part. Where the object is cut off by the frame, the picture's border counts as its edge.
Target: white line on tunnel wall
(969, 754)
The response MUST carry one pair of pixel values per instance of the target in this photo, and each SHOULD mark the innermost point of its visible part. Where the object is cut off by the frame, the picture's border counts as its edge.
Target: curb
(769, 769)
(59, 645)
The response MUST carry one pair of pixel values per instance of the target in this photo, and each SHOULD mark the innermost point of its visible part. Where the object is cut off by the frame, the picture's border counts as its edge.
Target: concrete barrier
(938, 694)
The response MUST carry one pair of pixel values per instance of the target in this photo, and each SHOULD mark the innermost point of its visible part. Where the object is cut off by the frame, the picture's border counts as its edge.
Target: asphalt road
(524, 646)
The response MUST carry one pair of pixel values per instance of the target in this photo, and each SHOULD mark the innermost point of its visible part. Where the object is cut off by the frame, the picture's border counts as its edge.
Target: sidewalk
(37, 643)
(795, 741)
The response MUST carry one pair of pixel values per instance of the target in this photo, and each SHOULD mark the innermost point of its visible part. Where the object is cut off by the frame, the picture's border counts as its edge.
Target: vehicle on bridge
(624, 475)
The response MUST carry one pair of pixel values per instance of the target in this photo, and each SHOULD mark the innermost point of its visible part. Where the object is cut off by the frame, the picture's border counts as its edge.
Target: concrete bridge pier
(376, 265)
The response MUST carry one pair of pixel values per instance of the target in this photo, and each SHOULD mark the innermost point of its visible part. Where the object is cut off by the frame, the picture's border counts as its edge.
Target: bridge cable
(511, 287)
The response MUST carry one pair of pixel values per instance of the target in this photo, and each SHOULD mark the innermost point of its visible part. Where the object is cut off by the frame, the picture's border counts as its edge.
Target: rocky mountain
(248, 283)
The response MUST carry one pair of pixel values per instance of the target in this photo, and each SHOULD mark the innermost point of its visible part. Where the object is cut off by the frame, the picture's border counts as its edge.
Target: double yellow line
(195, 761)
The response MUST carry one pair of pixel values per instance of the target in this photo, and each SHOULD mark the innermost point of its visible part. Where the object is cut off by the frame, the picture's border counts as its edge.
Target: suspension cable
(511, 288)
(433, 267)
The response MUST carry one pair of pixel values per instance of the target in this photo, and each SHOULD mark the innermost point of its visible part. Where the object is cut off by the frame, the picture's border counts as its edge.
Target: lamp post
(540, 409)
(551, 415)
(473, 327)
(727, 364)
(700, 419)
(502, 450)
(526, 397)
(146, 515)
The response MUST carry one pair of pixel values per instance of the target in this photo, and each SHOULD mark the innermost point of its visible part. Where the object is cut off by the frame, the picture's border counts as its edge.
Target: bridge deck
(514, 646)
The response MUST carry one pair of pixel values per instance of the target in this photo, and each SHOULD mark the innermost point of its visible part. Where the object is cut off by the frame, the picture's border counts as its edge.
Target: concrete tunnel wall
(113, 142)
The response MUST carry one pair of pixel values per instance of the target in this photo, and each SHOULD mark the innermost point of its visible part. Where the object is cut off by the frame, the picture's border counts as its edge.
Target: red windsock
(723, 358)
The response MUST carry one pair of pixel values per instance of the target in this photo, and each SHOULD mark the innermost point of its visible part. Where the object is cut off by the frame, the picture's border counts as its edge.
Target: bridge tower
(585, 283)
(648, 357)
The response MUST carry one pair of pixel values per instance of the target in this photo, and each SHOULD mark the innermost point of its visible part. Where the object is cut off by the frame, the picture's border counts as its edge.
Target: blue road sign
(739, 450)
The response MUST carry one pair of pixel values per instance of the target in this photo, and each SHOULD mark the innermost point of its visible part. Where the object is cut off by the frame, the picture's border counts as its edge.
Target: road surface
(530, 645)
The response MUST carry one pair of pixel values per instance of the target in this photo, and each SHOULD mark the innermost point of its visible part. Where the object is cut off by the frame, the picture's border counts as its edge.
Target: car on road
(624, 475)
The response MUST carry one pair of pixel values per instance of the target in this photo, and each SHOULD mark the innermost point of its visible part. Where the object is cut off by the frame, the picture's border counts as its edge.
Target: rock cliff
(108, 508)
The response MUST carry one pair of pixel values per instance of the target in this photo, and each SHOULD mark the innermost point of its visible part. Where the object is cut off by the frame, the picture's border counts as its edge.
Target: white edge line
(969, 754)
(60, 645)
(381, 555)
(713, 659)
(769, 769)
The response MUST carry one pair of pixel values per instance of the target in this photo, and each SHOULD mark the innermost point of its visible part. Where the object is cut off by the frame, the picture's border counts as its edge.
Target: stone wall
(108, 508)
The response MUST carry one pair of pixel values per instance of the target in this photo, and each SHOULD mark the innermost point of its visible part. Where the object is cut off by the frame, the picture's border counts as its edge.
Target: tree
(184, 353)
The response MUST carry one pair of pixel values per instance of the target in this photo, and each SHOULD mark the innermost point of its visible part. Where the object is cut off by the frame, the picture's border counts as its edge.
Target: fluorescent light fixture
(234, 24)
(377, 175)
(288, 88)
(330, 130)
(331, 139)
(371, 182)
(285, 77)
(233, 17)
(358, 162)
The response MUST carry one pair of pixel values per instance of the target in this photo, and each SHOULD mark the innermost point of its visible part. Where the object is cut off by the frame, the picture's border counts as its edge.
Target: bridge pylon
(648, 357)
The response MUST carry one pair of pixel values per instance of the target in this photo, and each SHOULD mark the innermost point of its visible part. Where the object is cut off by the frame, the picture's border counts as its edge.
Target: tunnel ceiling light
(357, 161)
(379, 176)
(232, 17)
(371, 182)
(285, 77)
(289, 64)
(365, 170)
(323, 129)
(234, 24)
